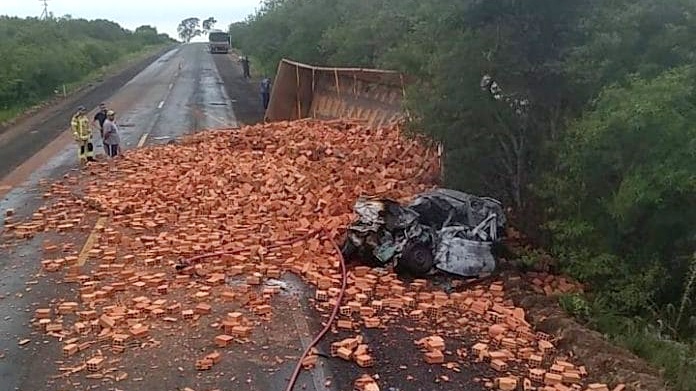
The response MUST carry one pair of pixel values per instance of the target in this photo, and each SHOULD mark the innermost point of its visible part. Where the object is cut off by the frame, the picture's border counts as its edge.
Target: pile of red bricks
(243, 192)
(237, 191)
(352, 349)
(550, 285)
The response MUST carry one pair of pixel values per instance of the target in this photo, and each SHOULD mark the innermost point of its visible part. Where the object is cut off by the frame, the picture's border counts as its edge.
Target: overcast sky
(163, 14)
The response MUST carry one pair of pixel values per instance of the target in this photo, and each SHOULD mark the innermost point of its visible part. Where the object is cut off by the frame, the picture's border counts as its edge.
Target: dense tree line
(39, 56)
(578, 114)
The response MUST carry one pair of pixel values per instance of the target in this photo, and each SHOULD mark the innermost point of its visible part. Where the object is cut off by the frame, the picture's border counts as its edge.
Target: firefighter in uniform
(82, 133)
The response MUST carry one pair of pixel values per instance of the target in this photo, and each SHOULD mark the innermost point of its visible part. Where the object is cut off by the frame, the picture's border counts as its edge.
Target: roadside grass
(13, 112)
(675, 359)
(99, 74)
(95, 76)
(257, 71)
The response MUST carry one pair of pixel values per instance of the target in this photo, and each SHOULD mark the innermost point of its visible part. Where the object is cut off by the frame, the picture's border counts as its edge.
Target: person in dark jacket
(246, 67)
(99, 119)
(266, 92)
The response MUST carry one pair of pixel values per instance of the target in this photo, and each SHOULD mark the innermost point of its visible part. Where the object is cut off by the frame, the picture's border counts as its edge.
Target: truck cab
(219, 41)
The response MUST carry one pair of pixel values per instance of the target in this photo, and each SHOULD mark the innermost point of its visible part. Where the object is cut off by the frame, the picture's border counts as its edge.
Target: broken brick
(507, 383)
(364, 361)
(551, 379)
(203, 309)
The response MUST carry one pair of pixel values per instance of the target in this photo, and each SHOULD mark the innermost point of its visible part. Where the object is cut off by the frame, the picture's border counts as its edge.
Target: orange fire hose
(344, 281)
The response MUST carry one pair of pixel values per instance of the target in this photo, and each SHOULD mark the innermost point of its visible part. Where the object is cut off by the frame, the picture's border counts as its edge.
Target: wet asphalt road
(177, 94)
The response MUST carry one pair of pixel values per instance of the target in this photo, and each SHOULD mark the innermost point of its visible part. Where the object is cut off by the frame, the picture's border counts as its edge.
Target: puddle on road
(290, 286)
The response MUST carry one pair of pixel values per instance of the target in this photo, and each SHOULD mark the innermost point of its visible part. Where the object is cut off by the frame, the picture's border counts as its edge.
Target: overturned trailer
(442, 229)
(300, 91)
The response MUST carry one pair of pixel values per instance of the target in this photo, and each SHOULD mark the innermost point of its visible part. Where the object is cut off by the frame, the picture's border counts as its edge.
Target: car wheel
(417, 260)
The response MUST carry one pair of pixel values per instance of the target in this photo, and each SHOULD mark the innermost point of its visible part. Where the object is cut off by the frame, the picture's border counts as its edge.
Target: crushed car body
(442, 229)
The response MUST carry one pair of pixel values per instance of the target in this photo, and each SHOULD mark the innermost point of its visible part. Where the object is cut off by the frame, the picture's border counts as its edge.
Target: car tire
(417, 260)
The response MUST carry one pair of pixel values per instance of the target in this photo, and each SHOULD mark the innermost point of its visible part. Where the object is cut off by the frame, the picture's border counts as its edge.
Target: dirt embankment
(605, 362)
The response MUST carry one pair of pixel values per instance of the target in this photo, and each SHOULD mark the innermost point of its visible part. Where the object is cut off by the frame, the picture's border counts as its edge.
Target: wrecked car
(442, 229)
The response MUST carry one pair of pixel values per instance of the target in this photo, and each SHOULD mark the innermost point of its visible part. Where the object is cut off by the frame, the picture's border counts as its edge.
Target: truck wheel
(417, 260)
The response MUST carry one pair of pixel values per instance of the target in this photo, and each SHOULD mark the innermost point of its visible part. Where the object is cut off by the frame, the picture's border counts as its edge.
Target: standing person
(111, 137)
(82, 133)
(99, 118)
(266, 92)
(245, 67)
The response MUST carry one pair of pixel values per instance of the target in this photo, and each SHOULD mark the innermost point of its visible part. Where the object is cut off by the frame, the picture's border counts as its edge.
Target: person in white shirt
(112, 139)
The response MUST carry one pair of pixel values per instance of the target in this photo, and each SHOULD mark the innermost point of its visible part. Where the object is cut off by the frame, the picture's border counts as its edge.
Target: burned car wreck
(441, 229)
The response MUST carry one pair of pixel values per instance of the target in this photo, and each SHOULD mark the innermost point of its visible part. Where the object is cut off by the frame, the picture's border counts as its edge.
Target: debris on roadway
(440, 229)
(269, 200)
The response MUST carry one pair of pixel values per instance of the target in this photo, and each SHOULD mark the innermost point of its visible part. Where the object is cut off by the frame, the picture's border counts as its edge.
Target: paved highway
(179, 93)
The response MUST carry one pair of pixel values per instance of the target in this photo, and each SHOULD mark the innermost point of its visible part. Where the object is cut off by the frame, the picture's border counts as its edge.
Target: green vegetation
(189, 29)
(577, 114)
(41, 56)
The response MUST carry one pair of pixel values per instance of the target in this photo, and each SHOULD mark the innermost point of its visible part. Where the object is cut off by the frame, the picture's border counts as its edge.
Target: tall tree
(189, 28)
(209, 24)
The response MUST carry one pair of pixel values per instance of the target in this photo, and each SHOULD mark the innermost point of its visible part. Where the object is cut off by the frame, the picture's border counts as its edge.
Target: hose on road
(339, 299)
(332, 318)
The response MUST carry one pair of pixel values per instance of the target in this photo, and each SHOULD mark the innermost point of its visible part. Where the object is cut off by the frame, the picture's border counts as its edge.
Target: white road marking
(160, 105)
(219, 120)
(142, 140)
(91, 240)
(171, 85)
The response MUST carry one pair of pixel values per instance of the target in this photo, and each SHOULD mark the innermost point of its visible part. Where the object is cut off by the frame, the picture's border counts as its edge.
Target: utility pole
(44, 14)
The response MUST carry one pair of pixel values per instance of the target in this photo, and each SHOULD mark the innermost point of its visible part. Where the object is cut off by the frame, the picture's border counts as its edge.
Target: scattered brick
(71, 349)
(223, 340)
(95, 364)
(506, 383)
(434, 357)
(310, 188)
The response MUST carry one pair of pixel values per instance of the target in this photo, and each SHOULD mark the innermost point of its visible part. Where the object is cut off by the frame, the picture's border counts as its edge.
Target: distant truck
(219, 42)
